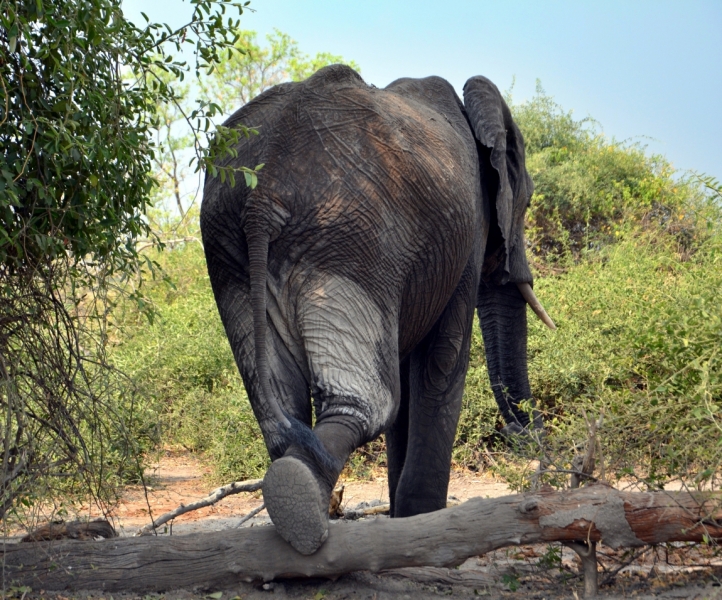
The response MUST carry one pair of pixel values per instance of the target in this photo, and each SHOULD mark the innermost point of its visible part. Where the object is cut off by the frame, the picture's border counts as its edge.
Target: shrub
(184, 368)
(585, 184)
(639, 341)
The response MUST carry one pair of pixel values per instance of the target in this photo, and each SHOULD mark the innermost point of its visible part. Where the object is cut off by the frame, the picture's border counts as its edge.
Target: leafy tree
(81, 85)
(171, 156)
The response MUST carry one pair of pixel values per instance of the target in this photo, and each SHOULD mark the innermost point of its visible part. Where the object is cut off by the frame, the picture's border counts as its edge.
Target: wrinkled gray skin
(349, 277)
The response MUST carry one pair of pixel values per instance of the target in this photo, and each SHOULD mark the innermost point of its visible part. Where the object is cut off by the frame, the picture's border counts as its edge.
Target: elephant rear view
(347, 279)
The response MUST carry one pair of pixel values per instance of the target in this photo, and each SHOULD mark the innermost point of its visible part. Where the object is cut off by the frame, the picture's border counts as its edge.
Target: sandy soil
(677, 571)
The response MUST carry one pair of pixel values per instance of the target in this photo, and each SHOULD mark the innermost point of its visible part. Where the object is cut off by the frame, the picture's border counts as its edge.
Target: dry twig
(250, 485)
(583, 467)
(252, 514)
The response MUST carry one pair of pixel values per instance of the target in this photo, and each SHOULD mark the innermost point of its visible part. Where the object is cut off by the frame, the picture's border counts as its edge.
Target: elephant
(347, 279)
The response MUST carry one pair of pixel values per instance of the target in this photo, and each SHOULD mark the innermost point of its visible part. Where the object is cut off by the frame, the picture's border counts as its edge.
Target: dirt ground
(542, 571)
(179, 478)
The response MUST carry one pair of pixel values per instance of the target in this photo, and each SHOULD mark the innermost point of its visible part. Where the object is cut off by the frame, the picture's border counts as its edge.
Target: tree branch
(250, 485)
(442, 539)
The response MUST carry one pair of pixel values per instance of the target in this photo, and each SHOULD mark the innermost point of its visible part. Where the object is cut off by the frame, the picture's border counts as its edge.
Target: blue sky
(648, 71)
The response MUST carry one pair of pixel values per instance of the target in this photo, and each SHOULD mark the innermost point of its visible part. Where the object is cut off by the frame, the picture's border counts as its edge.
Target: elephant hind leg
(397, 437)
(296, 503)
(297, 487)
(353, 362)
(437, 370)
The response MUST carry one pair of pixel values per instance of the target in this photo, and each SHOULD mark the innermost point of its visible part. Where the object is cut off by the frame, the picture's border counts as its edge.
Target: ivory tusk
(535, 305)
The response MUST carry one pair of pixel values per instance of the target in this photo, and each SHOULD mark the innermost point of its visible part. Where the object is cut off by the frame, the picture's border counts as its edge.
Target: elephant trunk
(502, 315)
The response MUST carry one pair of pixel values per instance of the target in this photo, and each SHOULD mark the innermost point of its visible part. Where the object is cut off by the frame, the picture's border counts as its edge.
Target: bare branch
(250, 485)
(583, 467)
(251, 514)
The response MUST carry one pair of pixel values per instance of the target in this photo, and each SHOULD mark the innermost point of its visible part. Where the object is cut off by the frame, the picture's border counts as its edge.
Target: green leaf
(511, 581)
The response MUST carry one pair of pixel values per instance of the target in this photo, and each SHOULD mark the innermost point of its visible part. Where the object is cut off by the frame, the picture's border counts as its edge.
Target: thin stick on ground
(251, 514)
(583, 466)
(250, 485)
(614, 572)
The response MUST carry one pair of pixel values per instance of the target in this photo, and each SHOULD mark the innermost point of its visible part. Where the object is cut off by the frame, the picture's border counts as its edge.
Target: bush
(638, 340)
(480, 417)
(184, 368)
(635, 300)
(585, 185)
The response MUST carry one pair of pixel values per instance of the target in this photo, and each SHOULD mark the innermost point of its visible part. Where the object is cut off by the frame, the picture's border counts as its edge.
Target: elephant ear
(506, 185)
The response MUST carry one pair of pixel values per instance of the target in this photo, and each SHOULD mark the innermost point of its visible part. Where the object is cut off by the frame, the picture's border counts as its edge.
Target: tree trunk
(444, 538)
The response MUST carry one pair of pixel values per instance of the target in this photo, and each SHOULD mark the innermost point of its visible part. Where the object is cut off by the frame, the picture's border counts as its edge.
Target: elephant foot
(296, 504)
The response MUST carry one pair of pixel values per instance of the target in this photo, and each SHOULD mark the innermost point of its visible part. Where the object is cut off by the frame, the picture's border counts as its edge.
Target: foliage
(70, 422)
(184, 368)
(585, 185)
(80, 90)
(629, 267)
(172, 147)
(545, 124)
(638, 341)
(480, 417)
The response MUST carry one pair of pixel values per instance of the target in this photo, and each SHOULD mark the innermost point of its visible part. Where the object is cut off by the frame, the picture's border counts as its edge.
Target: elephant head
(506, 280)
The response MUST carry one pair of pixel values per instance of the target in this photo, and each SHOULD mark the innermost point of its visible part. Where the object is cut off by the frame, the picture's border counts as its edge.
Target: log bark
(441, 539)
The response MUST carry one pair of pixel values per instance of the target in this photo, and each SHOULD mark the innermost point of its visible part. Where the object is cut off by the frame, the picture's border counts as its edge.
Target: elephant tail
(258, 263)
(291, 429)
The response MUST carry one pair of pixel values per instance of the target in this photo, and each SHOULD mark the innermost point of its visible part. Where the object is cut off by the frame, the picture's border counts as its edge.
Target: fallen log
(440, 539)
